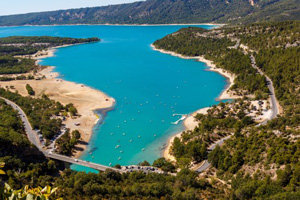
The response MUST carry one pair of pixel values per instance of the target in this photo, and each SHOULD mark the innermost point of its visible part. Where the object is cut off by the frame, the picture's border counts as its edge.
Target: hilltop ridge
(166, 12)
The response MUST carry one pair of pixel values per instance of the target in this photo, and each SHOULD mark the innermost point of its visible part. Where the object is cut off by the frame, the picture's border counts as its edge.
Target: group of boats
(183, 116)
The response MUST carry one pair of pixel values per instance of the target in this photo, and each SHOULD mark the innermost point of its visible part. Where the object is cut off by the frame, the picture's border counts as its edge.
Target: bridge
(32, 136)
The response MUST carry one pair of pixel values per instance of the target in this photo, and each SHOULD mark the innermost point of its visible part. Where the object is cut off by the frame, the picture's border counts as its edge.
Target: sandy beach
(190, 122)
(84, 98)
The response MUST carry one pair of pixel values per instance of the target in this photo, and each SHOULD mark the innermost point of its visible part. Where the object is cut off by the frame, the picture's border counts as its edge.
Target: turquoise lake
(148, 86)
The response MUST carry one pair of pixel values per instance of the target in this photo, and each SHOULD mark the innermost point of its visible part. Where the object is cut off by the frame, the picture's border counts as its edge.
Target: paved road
(206, 164)
(274, 101)
(80, 162)
(274, 107)
(32, 136)
(219, 142)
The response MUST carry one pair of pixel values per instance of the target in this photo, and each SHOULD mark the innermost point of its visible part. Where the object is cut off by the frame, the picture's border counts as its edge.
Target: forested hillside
(20, 46)
(166, 12)
(258, 162)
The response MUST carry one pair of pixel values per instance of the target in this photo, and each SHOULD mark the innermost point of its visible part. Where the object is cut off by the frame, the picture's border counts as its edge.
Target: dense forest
(12, 65)
(166, 12)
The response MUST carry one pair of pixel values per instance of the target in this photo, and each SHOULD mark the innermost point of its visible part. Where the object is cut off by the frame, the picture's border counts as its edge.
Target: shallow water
(149, 86)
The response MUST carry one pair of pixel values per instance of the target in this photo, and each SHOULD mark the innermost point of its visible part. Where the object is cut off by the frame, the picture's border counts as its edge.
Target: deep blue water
(148, 86)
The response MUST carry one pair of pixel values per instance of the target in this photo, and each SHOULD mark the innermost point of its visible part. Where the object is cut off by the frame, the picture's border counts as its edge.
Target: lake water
(148, 86)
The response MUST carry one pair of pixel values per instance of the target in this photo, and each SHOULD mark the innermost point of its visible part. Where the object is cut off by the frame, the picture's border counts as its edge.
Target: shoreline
(225, 94)
(109, 24)
(94, 118)
(87, 100)
(190, 122)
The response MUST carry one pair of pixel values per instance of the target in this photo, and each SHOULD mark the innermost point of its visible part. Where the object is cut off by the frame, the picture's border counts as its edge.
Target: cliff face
(167, 11)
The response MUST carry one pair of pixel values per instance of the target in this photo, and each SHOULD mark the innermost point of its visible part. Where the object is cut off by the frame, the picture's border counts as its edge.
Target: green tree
(30, 90)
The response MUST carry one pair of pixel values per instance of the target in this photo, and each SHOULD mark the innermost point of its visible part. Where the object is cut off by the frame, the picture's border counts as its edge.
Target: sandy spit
(84, 98)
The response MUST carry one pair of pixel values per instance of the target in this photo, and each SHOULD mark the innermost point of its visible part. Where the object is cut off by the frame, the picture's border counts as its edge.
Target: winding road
(274, 101)
(32, 136)
(206, 164)
(274, 108)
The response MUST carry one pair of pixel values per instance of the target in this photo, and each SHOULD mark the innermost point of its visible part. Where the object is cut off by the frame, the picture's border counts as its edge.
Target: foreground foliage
(26, 193)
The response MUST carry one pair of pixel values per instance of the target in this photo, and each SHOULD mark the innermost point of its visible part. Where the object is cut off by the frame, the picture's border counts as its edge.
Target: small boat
(130, 140)
(154, 135)
(121, 151)
(125, 121)
(143, 149)
(119, 158)
(110, 164)
(139, 136)
(117, 146)
(124, 133)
